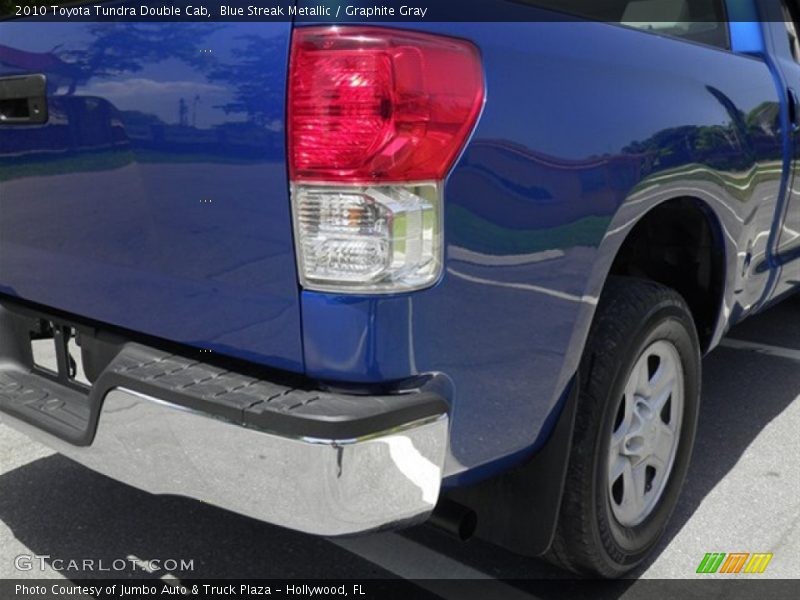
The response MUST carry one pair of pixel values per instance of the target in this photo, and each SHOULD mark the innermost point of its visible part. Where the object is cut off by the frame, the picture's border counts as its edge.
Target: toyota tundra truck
(353, 276)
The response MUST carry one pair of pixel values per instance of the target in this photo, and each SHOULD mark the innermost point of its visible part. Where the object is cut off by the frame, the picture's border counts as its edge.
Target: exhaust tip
(455, 519)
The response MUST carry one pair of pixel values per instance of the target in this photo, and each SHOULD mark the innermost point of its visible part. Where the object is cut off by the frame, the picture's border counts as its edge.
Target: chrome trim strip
(324, 487)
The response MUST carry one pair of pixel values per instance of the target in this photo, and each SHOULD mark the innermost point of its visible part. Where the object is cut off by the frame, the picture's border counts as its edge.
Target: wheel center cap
(642, 440)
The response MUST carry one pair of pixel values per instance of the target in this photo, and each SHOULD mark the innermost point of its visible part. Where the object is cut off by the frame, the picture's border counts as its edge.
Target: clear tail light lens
(375, 238)
(376, 119)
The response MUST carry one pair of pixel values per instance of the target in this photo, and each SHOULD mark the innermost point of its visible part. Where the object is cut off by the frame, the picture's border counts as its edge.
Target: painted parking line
(779, 351)
(428, 569)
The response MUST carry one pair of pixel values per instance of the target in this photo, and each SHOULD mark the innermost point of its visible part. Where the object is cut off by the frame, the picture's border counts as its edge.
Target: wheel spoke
(630, 499)
(640, 377)
(615, 450)
(616, 467)
(639, 476)
(663, 447)
(627, 407)
(661, 385)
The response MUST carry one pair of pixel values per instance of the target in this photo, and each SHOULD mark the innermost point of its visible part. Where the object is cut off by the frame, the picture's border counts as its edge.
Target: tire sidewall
(626, 546)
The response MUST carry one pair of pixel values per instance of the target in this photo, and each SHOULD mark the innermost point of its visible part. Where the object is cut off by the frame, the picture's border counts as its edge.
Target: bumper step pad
(259, 403)
(69, 410)
(58, 409)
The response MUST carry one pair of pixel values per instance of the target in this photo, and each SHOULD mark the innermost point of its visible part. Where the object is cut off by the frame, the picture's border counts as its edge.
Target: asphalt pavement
(742, 495)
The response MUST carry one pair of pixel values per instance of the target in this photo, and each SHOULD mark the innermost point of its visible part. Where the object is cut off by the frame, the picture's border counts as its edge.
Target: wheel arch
(680, 243)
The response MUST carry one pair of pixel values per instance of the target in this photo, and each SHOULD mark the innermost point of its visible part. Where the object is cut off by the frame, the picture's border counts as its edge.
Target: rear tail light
(376, 119)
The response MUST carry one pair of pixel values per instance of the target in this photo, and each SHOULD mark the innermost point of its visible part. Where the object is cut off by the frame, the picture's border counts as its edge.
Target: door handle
(793, 109)
(23, 99)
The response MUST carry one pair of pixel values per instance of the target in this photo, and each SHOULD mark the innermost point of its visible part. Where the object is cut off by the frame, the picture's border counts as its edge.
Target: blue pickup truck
(343, 278)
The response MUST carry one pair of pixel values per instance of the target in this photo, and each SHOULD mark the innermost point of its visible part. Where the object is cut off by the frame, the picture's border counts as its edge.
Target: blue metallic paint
(156, 197)
(586, 127)
(744, 27)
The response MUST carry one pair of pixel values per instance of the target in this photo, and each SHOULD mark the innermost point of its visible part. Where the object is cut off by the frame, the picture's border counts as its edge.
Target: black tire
(631, 315)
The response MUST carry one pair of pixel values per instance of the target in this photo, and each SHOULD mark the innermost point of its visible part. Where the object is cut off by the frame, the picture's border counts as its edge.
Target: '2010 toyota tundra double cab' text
(341, 278)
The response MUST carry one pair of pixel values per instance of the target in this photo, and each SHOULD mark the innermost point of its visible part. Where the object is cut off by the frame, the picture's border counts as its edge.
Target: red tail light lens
(370, 104)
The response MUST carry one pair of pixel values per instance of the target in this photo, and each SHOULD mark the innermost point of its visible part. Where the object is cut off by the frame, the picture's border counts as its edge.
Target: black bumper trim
(261, 404)
(71, 412)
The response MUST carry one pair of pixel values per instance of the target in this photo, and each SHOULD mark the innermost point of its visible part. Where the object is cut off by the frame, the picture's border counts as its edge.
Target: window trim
(724, 24)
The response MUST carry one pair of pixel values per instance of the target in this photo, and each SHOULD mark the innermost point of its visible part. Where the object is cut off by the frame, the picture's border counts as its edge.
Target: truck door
(786, 49)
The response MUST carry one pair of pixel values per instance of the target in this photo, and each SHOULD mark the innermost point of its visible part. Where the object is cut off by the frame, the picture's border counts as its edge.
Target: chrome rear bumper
(322, 486)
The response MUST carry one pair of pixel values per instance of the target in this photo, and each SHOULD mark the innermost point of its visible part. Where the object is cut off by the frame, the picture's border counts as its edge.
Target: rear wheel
(634, 429)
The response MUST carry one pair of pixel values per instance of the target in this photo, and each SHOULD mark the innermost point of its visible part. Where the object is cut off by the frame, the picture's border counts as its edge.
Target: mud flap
(518, 510)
